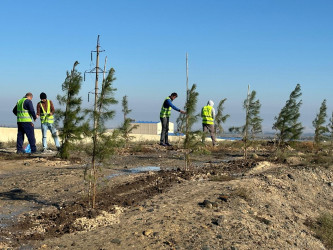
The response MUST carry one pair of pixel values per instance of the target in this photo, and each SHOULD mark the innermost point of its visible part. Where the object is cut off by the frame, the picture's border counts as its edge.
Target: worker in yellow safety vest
(45, 110)
(164, 117)
(208, 116)
(25, 113)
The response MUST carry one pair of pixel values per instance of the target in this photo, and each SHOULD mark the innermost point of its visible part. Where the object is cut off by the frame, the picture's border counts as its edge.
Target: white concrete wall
(10, 134)
(150, 128)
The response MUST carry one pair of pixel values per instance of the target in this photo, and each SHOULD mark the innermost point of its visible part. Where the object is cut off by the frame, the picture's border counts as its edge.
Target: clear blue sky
(270, 44)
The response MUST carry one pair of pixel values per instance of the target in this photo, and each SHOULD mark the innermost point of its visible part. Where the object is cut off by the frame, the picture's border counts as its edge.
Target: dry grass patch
(323, 228)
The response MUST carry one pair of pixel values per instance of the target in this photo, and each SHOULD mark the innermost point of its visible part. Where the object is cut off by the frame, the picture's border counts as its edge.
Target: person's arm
(51, 108)
(213, 113)
(38, 109)
(28, 106)
(172, 106)
(15, 110)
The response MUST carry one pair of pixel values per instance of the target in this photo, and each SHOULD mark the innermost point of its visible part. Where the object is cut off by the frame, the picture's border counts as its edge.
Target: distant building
(150, 128)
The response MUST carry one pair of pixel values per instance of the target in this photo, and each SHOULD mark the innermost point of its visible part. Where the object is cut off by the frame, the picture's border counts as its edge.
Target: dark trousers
(28, 129)
(165, 130)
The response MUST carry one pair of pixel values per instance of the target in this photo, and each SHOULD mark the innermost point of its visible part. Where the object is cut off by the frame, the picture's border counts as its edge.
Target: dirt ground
(222, 202)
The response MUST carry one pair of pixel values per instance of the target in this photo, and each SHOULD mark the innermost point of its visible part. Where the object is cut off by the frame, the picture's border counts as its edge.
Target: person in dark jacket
(164, 117)
(25, 113)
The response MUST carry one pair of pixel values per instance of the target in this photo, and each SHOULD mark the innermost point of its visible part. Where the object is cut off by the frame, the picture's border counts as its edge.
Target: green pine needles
(330, 129)
(126, 128)
(190, 118)
(253, 121)
(72, 118)
(287, 124)
(220, 118)
(103, 143)
(318, 124)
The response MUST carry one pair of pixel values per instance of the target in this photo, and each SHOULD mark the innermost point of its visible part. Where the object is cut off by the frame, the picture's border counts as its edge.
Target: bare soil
(222, 202)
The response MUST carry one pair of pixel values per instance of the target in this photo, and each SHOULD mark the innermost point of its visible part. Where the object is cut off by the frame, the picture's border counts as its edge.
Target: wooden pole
(186, 77)
(94, 172)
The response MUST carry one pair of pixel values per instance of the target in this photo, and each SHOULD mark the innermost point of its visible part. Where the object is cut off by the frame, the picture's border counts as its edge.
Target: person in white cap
(208, 116)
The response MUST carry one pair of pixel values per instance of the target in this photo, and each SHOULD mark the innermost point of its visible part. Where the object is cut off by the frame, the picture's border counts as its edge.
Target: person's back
(25, 114)
(208, 116)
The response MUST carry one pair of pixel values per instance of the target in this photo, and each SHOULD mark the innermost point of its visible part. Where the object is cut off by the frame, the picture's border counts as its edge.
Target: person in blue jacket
(25, 113)
(164, 117)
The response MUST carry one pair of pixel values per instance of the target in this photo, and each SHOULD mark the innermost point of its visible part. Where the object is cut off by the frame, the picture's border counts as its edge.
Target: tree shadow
(20, 194)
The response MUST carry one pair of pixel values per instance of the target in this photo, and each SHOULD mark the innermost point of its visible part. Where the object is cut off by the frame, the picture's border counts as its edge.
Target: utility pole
(186, 76)
(93, 172)
(186, 116)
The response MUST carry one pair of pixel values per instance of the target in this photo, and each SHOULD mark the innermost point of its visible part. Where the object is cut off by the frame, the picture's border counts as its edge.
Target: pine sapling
(287, 124)
(73, 126)
(103, 143)
(318, 124)
(220, 118)
(253, 121)
(126, 128)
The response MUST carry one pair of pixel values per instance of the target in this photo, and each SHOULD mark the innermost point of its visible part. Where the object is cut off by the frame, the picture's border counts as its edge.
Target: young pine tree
(73, 126)
(220, 118)
(126, 128)
(318, 124)
(191, 118)
(253, 121)
(287, 123)
(330, 129)
(103, 143)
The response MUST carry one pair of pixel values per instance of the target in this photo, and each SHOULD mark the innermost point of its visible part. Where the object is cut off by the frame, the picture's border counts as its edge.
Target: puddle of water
(136, 170)
(141, 169)
(10, 213)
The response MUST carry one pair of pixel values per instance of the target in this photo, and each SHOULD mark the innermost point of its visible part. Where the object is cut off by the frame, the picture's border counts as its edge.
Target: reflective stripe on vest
(22, 114)
(165, 112)
(45, 117)
(207, 115)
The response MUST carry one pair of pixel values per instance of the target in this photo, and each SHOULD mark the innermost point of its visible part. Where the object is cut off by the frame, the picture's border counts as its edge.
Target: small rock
(290, 177)
(219, 236)
(147, 232)
(217, 222)
(215, 204)
(224, 197)
(207, 204)
(255, 156)
(155, 234)
(330, 184)
(116, 241)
